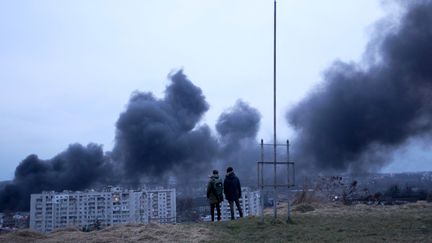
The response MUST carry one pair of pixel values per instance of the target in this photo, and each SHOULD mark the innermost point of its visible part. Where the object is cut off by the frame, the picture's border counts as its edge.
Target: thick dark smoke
(238, 127)
(76, 168)
(238, 123)
(359, 111)
(356, 112)
(156, 136)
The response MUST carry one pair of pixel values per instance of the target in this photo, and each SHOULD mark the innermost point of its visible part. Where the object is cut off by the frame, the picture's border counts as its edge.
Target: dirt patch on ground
(22, 236)
(303, 208)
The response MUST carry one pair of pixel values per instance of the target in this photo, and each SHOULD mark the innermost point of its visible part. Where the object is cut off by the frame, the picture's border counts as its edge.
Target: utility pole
(274, 162)
(274, 113)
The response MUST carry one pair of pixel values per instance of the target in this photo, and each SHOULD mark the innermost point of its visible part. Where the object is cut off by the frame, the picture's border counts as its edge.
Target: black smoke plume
(74, 169)
(238, 127)
(358, 114)
(156, 136)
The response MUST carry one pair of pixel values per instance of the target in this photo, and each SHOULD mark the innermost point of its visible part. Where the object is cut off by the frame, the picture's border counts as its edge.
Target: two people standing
(230, 187)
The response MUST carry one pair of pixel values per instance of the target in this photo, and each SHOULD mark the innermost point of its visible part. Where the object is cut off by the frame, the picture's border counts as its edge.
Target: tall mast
(274, 109)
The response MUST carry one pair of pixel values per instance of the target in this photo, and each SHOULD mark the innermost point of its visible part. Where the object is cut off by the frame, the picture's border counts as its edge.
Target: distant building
(250, 203)
(201, 205)
(162, 206)
(14, 220)
(111, 206)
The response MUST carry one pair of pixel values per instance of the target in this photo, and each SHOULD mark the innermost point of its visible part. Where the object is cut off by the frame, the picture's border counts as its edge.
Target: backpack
(218, 188)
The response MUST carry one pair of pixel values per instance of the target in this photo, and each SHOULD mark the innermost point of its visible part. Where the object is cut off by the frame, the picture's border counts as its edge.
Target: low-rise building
(14, 220)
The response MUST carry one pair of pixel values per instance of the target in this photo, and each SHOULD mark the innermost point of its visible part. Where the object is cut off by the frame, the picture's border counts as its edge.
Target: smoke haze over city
(352, 121)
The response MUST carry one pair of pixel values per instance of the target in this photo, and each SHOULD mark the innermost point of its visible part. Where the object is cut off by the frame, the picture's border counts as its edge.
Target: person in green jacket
(215, 194)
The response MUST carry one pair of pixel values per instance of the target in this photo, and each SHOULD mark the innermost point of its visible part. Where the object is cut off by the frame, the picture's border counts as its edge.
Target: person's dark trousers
(231, 204)
(218, 209)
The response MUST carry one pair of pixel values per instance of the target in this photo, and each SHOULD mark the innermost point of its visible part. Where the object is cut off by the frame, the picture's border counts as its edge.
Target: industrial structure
(51, 210)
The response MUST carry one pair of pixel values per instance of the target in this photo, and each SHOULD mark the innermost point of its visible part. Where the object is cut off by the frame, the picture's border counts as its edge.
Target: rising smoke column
(238, 127)
(76, 168)
(358, 111)
(158, 136)
(154, 137)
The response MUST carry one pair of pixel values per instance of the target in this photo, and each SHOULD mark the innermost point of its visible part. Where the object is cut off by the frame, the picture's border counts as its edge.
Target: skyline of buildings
(51, 210)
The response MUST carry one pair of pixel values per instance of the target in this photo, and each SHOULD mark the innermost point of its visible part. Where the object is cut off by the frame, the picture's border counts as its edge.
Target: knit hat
(229, 169)
(215, 172)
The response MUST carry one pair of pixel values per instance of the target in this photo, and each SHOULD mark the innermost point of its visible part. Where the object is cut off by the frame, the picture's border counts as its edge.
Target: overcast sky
(67, 68)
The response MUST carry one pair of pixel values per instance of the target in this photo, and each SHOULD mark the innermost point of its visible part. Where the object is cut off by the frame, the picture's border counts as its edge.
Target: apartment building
(162, 206)
(111, 206)
(250, 203)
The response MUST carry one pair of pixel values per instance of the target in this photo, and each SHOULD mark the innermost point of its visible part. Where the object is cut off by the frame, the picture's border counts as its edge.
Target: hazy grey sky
(67, 68)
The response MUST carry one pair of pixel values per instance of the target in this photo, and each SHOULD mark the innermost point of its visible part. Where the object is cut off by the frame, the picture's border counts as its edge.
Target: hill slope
(327, 223)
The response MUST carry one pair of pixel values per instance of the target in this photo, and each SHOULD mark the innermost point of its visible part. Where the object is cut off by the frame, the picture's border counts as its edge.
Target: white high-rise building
(162, 206)
(53, 210)
(249, 201)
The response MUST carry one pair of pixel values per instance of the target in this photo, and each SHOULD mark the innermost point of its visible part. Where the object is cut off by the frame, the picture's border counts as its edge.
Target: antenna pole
(274, 112)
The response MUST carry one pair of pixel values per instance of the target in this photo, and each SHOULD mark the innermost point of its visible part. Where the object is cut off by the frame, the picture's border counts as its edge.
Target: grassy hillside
(327, 223)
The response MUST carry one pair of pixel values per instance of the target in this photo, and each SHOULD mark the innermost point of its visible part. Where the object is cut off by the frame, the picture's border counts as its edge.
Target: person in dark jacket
(232, 190)
(212, 195)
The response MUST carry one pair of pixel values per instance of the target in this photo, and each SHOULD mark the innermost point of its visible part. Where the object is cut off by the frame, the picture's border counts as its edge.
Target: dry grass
(125, 233)
(327, 223)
